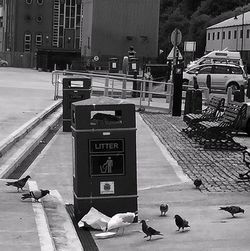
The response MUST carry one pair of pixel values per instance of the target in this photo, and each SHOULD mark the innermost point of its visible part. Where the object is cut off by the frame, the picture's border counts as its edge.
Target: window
(241, 33)
(208, 36)
(27, 42)
(205, 70)
(39, 19)
(223, 35)
(248, 33)
(218, 35)
(235, 34)
(29, 1)
(220, 69)
(236, 70)
(39, 40)
(213, 35)
(39, 2)
(1, 22)
(229, 34)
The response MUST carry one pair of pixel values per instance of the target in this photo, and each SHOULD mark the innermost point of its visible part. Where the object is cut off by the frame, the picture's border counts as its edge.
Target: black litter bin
(113, 65)
(133, 66)
(104, 156)
(74, 89)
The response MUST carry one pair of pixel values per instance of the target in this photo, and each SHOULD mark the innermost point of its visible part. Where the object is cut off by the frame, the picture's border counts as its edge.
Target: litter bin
(133, 66)
(104, 156)
(113, 65)
(74, 89)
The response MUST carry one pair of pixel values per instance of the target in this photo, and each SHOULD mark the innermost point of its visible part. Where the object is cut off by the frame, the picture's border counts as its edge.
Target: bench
(246, 159)
(218, 134)
(213, 110)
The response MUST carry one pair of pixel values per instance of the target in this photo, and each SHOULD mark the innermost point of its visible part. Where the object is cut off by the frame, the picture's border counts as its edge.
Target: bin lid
(101, 101)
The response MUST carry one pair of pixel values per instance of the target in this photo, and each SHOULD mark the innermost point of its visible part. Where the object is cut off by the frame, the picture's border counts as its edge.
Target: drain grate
(84, 235)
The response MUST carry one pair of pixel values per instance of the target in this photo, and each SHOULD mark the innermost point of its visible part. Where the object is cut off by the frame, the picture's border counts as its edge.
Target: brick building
(42, 32)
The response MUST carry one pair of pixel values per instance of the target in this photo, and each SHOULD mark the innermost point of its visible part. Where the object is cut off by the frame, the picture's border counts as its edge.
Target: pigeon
(197, 183)
(36, 194)
(149, 231)
(180, 223)
(121, 220)
(19, 184)
(163, 209)
(233, 210)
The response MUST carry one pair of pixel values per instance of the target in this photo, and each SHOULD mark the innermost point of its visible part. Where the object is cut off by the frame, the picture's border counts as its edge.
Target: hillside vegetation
(192, 17)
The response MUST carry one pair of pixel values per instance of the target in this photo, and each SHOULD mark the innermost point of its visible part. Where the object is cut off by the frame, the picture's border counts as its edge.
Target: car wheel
(234, 86)
(4, 64)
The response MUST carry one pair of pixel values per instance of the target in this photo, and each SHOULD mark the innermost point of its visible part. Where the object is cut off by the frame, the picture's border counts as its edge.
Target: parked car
(222, 76)
(3, 63)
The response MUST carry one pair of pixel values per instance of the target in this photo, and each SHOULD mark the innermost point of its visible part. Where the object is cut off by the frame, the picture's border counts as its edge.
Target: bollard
(242, 93)
(197, 101)
(188, 102)
(208, 82)
(248, 88)
(229, 94)
(196, 86)
(239, 95)
(135, 93)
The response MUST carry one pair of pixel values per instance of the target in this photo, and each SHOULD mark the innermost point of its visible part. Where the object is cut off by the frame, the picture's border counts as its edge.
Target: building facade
(112, 26)
(232, 34)
(42, 27)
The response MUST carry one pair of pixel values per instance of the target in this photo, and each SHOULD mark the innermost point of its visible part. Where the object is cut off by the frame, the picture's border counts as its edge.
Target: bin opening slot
(106, 117)
(76, 83)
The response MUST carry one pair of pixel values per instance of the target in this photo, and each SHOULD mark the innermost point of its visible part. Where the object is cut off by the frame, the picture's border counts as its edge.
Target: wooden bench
(213, 110)
(218, 134)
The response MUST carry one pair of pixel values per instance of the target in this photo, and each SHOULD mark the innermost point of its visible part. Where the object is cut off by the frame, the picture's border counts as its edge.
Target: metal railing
(143, 91)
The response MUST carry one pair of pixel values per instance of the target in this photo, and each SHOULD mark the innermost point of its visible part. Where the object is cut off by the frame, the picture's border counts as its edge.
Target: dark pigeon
(197, 183)
(163, 209)
(19, 184)
(180, 223)
(149, 231)
(233, 210)
(36, 194)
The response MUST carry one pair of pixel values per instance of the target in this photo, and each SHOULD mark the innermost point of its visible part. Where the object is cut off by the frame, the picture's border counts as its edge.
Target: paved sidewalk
(160, 180)
(162, 154)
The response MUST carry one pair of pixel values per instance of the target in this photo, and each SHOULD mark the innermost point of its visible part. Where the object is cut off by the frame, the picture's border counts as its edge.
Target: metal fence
(144, 92)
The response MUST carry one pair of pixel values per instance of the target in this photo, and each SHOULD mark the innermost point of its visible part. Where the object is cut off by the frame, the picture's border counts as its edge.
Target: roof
(233, 21)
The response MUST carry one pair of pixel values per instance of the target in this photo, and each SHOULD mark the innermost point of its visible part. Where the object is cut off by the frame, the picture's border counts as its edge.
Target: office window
(208, 36)
(218, 35)
(223, 35)
(213, 35)
(39, 40)
(248, 33)
(229, 34)
(235, 34)
(241, 33)
(27, 42)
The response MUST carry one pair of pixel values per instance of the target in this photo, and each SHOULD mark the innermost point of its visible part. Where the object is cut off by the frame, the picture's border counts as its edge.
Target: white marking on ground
(46, 241)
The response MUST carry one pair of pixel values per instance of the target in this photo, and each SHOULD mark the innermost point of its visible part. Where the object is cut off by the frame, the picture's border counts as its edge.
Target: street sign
(176, 37)
(171, 54)
(189, 46)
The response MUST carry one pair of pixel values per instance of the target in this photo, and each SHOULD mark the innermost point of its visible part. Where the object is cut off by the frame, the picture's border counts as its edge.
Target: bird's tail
(158, 233)
(9, 183)
(26, 196)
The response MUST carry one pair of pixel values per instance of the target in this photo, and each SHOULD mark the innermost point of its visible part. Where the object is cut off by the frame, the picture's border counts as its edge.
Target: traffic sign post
(177, 70)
